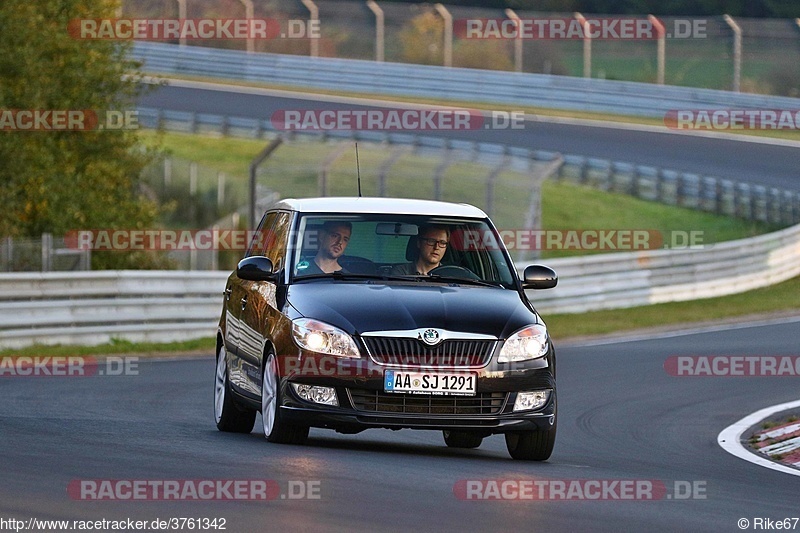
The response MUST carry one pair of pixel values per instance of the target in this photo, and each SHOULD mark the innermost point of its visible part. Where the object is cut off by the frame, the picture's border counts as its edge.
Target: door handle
(227, 292)
(244, 302)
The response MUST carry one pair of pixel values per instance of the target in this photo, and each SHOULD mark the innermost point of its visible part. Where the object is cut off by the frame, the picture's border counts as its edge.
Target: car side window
(274, 243)
(261, 235)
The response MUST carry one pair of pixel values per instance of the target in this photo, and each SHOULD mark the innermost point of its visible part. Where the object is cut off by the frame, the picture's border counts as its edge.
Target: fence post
(220, 189)
(661, 54)
(313, 11)
(47, 252)
(248, 9)
(510, 13)
(448, 34)
(167, 172)
(215, 250)
(86, 259)
(9, 254)
(587, 46)
(441, 168)
(737, 51)
(182, 16)
(490, 181)
(192, 178)
(379, 29)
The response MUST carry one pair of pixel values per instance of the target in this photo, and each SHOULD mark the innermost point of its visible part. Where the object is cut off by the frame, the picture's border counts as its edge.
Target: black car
(357, 313)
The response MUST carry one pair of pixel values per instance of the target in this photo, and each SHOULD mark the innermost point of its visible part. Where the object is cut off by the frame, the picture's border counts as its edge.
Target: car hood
(362, 307)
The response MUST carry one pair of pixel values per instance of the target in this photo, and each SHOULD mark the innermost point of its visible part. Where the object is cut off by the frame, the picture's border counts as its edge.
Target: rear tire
(275, 428)
(228, 415)
(461, 439)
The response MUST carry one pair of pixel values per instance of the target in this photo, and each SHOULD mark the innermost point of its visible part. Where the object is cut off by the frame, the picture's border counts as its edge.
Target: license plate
(434, 383)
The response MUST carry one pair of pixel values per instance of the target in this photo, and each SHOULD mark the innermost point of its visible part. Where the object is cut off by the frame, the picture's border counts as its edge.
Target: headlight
(528, 343)
(320, 337)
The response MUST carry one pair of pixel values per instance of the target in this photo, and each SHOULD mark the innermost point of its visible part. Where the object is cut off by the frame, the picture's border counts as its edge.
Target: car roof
(403, 206)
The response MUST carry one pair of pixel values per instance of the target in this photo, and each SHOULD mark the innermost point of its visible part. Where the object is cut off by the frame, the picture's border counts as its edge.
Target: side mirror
(539, 277)
(255, 268)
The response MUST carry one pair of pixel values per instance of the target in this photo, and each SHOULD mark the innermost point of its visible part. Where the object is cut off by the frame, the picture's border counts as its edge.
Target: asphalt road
(621, 418)
(749, 162)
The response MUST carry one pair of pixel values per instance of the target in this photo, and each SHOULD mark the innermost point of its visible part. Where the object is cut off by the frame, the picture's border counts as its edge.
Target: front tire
(275, 428)
(531, 445)
(229, 416)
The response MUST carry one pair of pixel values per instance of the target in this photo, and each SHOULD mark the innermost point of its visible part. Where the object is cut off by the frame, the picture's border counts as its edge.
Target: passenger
(333, 239)
(432, 242)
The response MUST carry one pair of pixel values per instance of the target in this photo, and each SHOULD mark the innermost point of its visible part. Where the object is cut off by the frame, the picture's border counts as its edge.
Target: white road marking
(730, 438)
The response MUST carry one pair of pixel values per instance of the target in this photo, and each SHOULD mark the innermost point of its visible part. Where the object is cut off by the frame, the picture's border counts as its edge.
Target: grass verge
(116, 347)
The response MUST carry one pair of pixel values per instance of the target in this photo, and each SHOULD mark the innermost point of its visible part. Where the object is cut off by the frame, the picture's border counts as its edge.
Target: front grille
(483, 403)
(399, 351)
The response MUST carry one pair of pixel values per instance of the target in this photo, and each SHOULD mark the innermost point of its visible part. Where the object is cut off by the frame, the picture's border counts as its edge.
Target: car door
(260, 309)
(237, 295)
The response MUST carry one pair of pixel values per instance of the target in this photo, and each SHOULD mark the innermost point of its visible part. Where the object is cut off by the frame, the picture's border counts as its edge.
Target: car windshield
(400, 247)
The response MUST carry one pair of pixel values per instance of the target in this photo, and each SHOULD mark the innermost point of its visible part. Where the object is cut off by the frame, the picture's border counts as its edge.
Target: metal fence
(763, 52)
(45, 254)
(704, 193)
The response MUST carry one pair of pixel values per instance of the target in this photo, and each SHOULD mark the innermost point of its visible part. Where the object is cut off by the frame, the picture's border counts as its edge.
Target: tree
(57, 181)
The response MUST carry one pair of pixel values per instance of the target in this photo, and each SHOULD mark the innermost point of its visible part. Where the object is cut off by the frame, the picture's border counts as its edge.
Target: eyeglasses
(434, 242)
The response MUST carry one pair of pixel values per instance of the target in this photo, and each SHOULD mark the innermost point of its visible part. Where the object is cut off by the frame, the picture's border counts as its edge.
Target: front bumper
(363, 404)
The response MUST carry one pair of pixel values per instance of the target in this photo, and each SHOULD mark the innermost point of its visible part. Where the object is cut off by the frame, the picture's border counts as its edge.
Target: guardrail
(94, 307)
(460, 84)
(630, 279)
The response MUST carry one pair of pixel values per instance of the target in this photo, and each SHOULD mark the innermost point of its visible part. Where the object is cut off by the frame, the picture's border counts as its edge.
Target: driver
(432, 242)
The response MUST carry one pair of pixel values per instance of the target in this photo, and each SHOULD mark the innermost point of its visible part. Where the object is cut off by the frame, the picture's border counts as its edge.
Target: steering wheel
(454, 271)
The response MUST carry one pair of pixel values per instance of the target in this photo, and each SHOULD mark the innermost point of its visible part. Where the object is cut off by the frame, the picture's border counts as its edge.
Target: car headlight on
(529, 342)
(319, 337)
